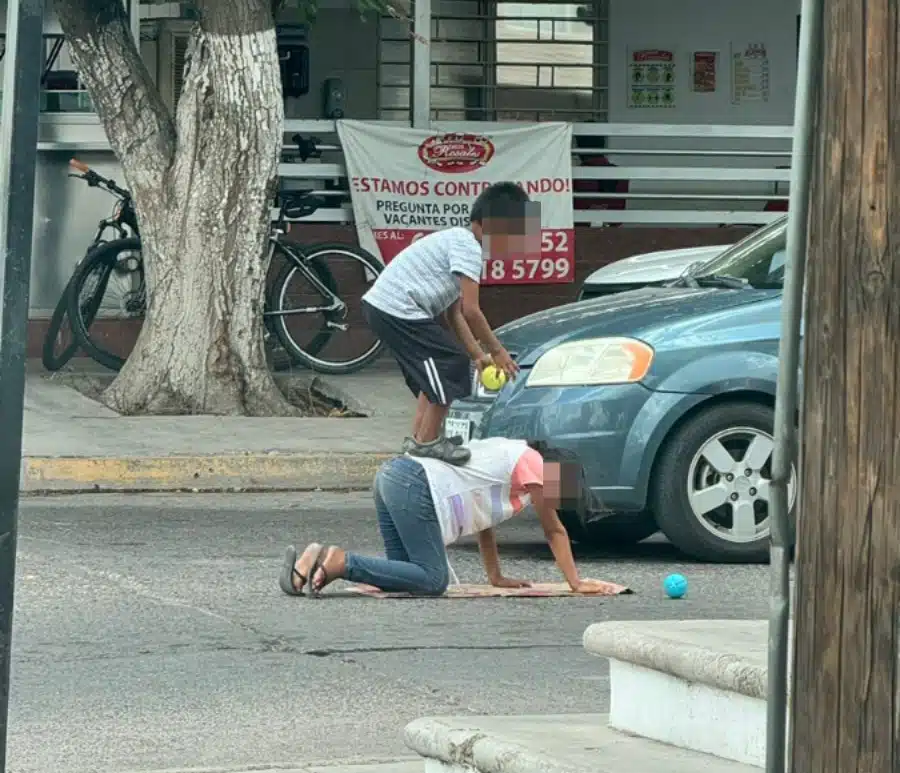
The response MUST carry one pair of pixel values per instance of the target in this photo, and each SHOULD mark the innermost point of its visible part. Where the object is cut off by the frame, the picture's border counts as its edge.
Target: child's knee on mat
(436, 583)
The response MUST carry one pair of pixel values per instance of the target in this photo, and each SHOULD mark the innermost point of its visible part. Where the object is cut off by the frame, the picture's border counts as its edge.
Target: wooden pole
(845, 712)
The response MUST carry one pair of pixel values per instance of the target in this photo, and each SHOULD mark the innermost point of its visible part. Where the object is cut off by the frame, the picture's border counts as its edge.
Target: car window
(757, 259)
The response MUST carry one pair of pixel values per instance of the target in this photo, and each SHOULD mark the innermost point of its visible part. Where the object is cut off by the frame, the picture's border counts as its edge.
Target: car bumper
(614, 430)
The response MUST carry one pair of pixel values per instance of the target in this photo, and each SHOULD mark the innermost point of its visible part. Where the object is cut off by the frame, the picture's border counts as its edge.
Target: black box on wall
(293, 56)
(334, 98)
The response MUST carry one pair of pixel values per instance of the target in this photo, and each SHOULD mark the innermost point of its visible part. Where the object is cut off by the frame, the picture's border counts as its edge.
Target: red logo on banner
(456, 153)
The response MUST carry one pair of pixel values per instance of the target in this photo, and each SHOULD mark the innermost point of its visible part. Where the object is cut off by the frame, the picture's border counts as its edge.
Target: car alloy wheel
(703, 476)
(728, 484)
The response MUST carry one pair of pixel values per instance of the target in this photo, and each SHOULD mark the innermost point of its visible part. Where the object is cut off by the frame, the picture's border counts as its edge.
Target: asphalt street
(150, 635)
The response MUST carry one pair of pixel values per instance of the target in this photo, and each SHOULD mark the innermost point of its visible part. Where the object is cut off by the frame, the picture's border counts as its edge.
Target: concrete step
(695, 684)
(568, 743)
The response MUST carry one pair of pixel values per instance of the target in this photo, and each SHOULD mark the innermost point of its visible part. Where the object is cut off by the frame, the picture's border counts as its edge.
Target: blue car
(666, 394)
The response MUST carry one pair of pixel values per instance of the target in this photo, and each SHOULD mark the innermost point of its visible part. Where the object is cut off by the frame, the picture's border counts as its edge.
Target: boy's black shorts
(431, 359)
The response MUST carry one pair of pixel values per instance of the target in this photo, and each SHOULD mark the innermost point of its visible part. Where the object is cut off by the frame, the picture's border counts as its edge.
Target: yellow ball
(493, 378)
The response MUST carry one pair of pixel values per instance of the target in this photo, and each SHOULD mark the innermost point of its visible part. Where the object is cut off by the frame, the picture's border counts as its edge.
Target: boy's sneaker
(409, 443)
(445, 449)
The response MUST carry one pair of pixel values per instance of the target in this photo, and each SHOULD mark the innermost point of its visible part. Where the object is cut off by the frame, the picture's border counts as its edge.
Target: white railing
(676, 174)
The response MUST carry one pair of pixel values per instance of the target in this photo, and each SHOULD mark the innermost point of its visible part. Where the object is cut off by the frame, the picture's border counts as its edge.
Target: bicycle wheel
(60, 345)
(349, 345)
(110, 279)
(279, 357)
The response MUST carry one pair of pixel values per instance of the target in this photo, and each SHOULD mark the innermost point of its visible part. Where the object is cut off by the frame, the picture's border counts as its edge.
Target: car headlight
(591, 362)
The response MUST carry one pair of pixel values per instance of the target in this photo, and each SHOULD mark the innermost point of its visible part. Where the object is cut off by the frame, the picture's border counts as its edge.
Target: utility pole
(24, 62)
(845, 712)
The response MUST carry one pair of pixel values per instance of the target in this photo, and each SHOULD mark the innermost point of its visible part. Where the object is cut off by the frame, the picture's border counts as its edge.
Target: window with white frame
(545, 45)
(498, 61)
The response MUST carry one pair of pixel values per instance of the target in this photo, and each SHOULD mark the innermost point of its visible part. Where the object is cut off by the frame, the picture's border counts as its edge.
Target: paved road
(151, 635)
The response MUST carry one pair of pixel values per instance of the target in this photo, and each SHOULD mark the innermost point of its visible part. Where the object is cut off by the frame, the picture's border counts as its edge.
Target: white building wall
(685, 26)
(341, 45)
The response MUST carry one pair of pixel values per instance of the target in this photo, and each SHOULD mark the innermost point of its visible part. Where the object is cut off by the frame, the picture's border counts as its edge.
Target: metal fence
(663, 174)
(533, 60)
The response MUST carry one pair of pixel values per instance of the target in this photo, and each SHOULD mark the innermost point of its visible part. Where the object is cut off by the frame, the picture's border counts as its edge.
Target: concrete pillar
(133, 9)
(421, 65)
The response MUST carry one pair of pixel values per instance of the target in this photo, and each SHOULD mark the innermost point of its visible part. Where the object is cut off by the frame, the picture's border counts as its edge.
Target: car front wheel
(711, 484)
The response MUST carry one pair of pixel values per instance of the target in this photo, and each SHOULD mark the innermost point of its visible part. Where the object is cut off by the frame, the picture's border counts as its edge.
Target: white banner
(406, 182)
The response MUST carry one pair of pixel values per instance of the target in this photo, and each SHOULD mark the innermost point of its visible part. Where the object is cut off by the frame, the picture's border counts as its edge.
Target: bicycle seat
(300, 205)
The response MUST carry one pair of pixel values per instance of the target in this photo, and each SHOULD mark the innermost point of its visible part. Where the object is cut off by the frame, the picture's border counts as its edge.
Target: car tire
(617, 530)
(683, 468)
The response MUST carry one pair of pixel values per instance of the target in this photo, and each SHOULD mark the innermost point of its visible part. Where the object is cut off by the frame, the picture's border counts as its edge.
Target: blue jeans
(416, 559)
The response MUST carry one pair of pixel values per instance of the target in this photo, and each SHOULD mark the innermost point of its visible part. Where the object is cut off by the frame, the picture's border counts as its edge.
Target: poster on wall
(704, 66)
(406, 183)
(651, 78)
(749, 73)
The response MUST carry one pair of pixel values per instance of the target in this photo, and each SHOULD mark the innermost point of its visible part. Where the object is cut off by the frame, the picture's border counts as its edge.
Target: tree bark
(203, 183)
(845, 711)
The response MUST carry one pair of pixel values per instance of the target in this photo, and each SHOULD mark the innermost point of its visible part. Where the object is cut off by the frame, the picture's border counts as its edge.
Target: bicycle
(314, 266)
(119, 265)
(123, 222)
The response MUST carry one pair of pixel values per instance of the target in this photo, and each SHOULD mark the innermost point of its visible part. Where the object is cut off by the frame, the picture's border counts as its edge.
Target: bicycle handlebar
(94, 178)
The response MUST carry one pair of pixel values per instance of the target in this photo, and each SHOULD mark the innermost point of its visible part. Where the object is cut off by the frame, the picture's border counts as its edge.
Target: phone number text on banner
(406, 183)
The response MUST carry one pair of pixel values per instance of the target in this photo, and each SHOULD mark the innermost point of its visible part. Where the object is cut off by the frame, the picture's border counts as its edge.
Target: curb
(461, 749)
(671, 647)
(248, 472)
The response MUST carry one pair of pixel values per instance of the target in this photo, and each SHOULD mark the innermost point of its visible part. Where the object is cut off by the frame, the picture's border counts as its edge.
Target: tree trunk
(203, 185)
(845, 711)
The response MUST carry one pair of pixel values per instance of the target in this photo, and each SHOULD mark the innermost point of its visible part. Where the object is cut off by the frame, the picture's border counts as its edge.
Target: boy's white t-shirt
(421, 282)
(480, 494)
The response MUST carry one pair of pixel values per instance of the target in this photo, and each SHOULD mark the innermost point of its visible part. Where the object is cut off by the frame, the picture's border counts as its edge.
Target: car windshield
(756, 261)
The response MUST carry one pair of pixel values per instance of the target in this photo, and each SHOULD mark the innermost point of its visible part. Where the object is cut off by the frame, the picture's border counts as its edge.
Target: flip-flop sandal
(289, 571)
(319, 564)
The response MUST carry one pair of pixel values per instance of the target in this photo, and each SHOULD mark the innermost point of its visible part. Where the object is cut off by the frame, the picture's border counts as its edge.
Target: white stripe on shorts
(435, 379)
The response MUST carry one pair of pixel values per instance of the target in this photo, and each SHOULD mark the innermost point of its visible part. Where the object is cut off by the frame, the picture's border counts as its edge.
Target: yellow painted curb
(275, 472)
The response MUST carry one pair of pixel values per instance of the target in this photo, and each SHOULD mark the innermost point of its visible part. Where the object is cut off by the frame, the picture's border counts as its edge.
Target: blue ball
(675, 585)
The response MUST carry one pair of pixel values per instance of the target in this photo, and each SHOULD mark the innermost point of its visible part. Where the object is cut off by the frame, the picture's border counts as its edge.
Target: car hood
(638, 313)
(653, 266)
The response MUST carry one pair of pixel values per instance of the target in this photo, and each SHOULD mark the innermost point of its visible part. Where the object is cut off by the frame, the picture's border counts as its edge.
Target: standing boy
(437, 275)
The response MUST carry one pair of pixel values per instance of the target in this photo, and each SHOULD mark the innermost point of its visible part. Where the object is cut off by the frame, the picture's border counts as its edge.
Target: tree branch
(138, 124)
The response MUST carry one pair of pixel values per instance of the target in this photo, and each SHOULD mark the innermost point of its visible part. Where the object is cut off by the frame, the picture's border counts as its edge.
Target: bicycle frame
(124, 219)
(111, 222)
(336, 305)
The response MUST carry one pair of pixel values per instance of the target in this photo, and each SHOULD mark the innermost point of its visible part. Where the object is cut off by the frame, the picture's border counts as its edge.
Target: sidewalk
(565, 743)
(401, 766)
(72, 443)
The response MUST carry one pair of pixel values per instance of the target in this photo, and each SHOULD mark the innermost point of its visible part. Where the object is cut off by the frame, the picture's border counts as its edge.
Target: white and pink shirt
(489, 489)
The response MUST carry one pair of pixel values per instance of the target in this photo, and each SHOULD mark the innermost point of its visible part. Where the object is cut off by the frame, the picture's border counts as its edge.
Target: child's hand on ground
(506, 582)
(590, 586)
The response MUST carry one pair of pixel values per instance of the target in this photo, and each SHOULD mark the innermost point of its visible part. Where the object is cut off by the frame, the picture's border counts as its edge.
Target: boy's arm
(478, 324)
(458, 324)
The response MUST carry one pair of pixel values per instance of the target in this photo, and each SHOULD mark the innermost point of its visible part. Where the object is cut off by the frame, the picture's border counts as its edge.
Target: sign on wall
(405, 183)
(651, 78)
(704, 66)
(749, 73)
